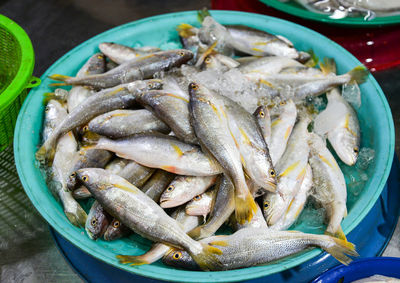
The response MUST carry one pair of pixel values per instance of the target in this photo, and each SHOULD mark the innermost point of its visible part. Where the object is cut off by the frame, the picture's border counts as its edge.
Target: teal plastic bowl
(375, 117)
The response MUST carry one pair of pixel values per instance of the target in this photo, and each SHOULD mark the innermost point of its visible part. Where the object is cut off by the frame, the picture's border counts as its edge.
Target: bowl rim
(298, 11)
(289, 262)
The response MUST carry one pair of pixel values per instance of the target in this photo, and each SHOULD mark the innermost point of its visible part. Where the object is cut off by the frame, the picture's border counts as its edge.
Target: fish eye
(177, 255)
(94, 222)
(170, 188)
(85, 128)
(116, 224)
(272, 173)
(262, 114)
(181, 53)
(198, 197)
(266, 204)
(194, 86)
(355, 150)
(85, 178)
(282, 103)
(73, 175)
(47, 109)
(207, 60)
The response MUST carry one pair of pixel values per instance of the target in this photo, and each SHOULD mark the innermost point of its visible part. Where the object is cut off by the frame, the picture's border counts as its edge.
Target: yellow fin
(207, 259)
(245, 136)
(328, 66)
(340, 249)
(125, 188)
(177, 149)
(206, 53)
(257, 49)
(185, 30)
(58, 77)
(245, 208)
(177, 96)
(338, 234)
(219, 243)
(131, 259)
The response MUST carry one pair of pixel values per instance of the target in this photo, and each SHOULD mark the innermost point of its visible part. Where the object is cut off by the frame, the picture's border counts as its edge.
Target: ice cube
(365, 158)
(351, 92)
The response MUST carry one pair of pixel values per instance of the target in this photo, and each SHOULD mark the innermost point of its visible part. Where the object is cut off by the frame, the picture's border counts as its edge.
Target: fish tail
(195, 233)
(132, 259)
(207, 259)
(49, 96)
(340, 248)
(45, 154)
(244, 208)
(202, 14)
(328, 66)
(313, 61)
(58, 77)
(57, 84)
(185, 30)
(77, 218)
(359, 74)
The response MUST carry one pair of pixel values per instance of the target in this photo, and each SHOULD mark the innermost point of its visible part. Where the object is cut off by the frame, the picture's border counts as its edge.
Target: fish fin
(45, 154)
(202, 14)
(57, 84)
(338, 234)
(359, 74)
(185, 30)
(195, 233)
(77, 218)
(219, 243)
(207, 259)
(313, 61)
(58, 77)
(132, 260)
(245, 208)
(209, 51)
(49, 96)
(339, 250)
(328, 66)
(345, 213)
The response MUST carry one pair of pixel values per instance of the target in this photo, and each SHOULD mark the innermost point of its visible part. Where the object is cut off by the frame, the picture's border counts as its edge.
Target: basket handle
(33, 82)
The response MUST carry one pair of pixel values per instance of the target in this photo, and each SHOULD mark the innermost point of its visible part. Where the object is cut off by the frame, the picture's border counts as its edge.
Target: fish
(253, 149)
(123, 123)
(329, 185)
(97, 221)
(254, 246)
(201, 204)
(95, 65)
(291, 170)
(163, 152)
(136, 69)
(173, 110)
(298, 84)
(281, 129)
(219, 62)
(296, 204)
(222, 208)
(264, 122)
(87, 157)
(158, 250)
(116, 230)
(141, 214)
(339, 123)
(121, 53)
(189, 38)
(184, 188)
(210, 123)
(260, 43)
(99, 103)
(54, 112)
(156, 185)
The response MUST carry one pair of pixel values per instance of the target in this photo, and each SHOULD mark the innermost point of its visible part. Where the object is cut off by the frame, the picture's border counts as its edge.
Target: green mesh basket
(16, 66)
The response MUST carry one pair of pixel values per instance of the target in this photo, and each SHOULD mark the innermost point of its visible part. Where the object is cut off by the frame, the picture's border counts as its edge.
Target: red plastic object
(377, 48)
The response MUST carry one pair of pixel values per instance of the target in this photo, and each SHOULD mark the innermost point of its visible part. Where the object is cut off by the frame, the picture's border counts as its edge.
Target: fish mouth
(270, 186)
(90, 234)
(167, 203)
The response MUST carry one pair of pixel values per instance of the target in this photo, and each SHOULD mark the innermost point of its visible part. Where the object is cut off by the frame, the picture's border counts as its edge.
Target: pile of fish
(173, 144)
(338, 9)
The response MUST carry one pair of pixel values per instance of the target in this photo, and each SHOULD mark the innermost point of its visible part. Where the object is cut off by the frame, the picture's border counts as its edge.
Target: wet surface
(27, 251)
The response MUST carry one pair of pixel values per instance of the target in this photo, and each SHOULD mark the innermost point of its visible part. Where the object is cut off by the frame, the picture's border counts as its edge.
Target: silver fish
(121, 53)
(255, 246)
(116, 230)
(163, 152)
(123, 123)
(201, 204)
(143, 215)
(104, 101)
(136, 69)
(210, 123)
(97, 221)
(184, 188)
(329, 185)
